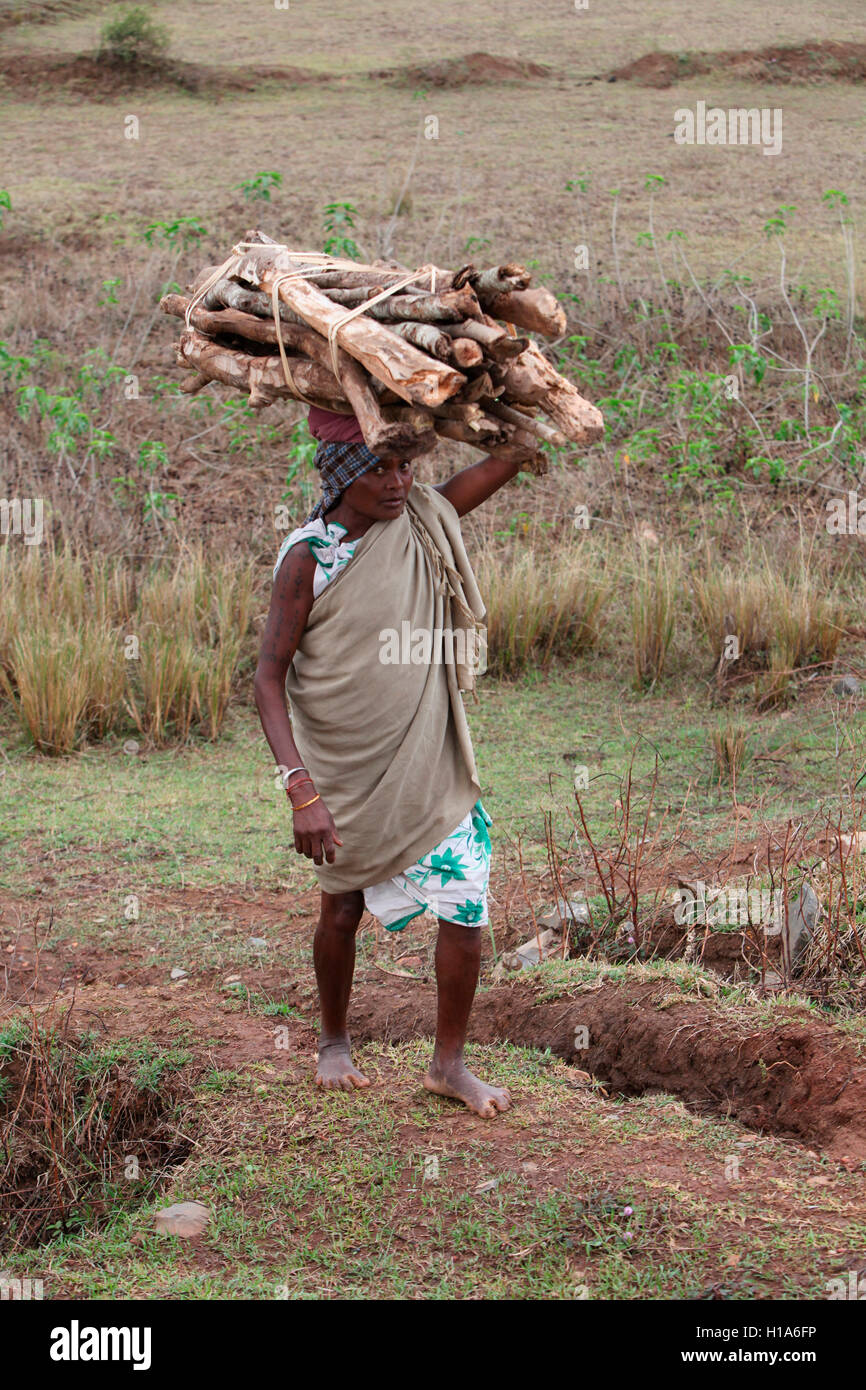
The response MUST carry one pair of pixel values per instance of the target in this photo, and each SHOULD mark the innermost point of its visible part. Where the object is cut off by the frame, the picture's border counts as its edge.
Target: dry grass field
(504, 154)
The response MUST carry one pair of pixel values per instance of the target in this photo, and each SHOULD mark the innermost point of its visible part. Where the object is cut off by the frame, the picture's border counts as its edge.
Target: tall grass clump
(61, 655)
(806, 626)
(732, 603)
(653, 612)
(542, 604)
(194, 620)
(784, 619)
(90, 648)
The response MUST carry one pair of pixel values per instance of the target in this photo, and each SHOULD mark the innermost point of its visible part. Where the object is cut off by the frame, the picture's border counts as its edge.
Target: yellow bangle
(307, 803)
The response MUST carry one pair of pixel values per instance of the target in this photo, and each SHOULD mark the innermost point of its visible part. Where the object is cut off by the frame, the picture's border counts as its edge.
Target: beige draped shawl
(387, 744)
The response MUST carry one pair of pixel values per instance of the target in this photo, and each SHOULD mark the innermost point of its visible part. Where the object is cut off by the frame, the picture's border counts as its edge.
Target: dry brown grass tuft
(83, 648)
(543, 601)
(653, 612)
(731, 750)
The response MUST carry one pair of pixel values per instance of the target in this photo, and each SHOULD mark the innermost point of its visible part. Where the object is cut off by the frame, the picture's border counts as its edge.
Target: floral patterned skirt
(450, 881)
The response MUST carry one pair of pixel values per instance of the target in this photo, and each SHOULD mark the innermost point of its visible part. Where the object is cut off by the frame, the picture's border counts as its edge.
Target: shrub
(133, 37)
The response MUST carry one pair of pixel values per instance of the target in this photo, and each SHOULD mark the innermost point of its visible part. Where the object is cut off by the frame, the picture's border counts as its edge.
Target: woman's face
(381, 492)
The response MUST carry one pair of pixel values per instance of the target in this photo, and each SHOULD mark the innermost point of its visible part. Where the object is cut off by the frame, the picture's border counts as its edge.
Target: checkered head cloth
(339, 465)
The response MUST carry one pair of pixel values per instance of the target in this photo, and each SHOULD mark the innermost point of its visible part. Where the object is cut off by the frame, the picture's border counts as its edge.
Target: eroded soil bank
(800, 1079)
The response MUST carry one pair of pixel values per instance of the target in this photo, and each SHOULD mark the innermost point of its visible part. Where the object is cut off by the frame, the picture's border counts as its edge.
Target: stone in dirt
(258, 943)
(529, 953)
(573, 910)
(187, 1219)
(857, 842)
(178, 974)
(848, 685)
(798, 930)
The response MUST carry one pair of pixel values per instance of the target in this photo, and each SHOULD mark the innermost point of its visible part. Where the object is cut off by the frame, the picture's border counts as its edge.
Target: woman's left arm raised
(473, 485)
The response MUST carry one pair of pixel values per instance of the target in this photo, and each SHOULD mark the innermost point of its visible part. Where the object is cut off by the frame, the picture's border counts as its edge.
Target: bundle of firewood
(415, 355)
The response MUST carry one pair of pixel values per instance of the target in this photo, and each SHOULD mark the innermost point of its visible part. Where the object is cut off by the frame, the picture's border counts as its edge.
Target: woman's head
(373, 485)
(381, 491)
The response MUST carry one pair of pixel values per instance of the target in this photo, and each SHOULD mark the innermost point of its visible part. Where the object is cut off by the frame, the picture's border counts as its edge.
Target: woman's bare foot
(454, 1079)
(335, 1070)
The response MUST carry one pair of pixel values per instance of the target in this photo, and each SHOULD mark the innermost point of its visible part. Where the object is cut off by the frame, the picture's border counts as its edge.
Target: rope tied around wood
(319, 260)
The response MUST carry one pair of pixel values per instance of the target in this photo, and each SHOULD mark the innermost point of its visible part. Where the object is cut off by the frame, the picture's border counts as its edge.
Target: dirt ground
(86, 76)
(800, 1079)
(675, 1090)
(543, 92)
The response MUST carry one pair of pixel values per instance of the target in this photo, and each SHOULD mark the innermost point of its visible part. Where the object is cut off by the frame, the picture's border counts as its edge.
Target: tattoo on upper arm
(291, 600)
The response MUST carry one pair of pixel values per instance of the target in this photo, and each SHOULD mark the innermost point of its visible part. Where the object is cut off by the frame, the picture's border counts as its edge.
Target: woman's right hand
(315, 832)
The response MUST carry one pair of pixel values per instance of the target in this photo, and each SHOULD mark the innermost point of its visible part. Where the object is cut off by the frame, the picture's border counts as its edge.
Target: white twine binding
(321, 261)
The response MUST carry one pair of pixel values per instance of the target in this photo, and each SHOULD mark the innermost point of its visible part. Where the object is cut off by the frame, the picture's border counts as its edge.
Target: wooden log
(226, 321)
(199, 280)
(459, 431)
(379, 272)
(350, 298)
(500, 279)
(229, 294)
(524, 448)
(509, 442)
(328, 280)
(450, 307)
(427, 337)
(261, 376)
(382, 435)
(446, 421)
(470, 414)
(417, 378)
(410, 414)
(297, 336)
(193, 383)
(494, 340)
(256, 234)
(538, 310)
(422, 443)
(478, 386)
(416, 424)
(379, 435)
(466, 353)
(384, 273)
(532, 380)
(527, 423)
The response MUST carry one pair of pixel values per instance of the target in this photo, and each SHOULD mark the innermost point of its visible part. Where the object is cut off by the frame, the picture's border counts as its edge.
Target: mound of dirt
(85, 75)
(800, 1079)
(472, 69)
(817, 62)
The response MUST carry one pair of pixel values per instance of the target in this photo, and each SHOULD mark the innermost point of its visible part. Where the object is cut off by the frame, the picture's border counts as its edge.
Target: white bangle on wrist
(284, 776)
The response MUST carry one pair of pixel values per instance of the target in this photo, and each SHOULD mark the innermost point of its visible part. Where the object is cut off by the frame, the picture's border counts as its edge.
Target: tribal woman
(374, 745)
